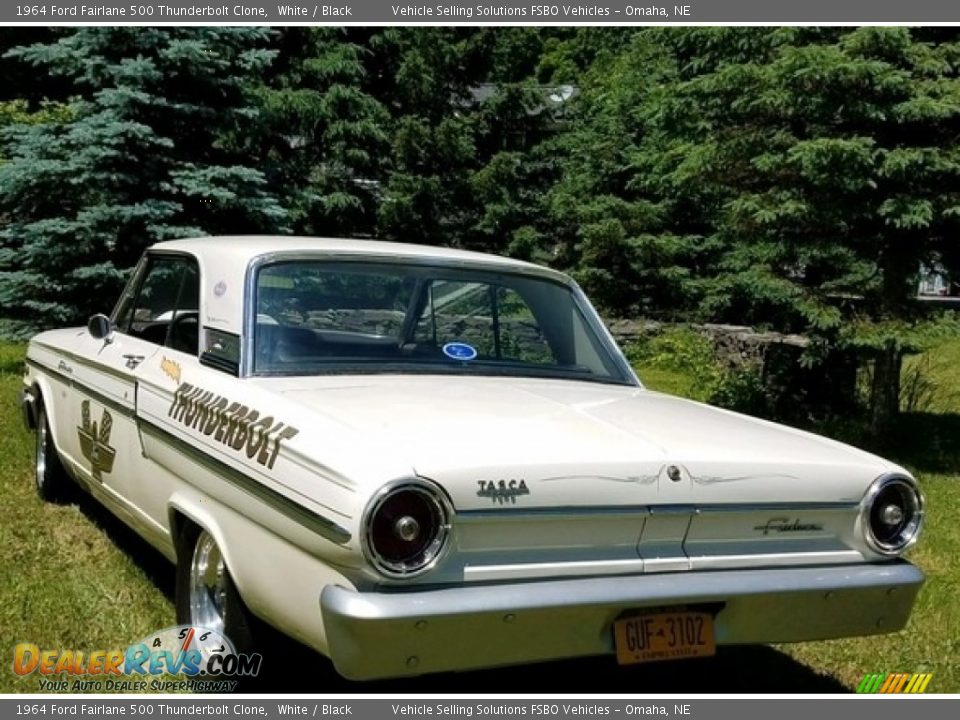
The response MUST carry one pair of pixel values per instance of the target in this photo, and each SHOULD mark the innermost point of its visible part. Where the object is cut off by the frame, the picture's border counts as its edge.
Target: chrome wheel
(208, 585)
(49, 476)
(41, 455)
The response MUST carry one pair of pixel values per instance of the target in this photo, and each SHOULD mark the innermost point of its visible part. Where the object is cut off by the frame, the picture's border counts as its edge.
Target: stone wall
(735, 345)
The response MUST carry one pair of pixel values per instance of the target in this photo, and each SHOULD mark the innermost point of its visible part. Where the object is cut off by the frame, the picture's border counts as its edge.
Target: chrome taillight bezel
(913, 508)
(436, 548)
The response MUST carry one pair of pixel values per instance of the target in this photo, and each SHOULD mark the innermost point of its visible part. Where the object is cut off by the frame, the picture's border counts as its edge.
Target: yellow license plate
(664, 636)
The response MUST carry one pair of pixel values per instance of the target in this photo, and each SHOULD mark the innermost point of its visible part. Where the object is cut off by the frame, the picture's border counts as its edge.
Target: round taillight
(892, 513)
(406, 527)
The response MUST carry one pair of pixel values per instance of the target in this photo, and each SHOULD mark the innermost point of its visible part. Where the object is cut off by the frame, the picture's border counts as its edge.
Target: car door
(158, 309)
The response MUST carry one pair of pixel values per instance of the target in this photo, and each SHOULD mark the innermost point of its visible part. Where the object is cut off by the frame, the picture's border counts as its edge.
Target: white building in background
(934, 281)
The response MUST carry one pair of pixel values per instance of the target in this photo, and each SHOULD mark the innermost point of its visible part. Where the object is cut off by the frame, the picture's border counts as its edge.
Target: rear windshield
(317, 317)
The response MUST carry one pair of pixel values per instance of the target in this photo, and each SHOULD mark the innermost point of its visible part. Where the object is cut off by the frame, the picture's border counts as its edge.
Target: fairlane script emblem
(95, 441)
(784, 525)
(503, 491)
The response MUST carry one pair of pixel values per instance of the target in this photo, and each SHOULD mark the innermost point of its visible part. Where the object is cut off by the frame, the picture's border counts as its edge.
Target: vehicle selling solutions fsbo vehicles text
(546, 709)
(537, 11)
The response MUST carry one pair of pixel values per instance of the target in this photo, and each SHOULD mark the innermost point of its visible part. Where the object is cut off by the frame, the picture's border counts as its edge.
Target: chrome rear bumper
(372, 635)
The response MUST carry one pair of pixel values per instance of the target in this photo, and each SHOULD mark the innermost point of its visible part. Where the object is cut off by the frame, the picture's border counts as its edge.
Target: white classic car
(415, 459)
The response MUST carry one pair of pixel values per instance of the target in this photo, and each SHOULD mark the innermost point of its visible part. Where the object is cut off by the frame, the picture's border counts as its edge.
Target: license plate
(664, 636)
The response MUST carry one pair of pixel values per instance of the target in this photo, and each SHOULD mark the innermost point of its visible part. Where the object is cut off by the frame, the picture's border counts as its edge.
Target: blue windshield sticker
(459, 351)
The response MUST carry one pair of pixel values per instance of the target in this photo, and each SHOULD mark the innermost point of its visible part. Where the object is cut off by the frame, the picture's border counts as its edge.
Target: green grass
(675, 382)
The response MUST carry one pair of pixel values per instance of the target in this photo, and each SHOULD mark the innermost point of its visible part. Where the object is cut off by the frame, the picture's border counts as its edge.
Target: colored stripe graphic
(187, 640)
(894, 683)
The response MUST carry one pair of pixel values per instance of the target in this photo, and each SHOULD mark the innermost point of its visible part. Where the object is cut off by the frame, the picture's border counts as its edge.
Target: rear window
(322, 317)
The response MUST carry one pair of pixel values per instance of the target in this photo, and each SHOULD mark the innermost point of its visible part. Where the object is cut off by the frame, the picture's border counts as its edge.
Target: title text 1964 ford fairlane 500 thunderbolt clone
(415, 459)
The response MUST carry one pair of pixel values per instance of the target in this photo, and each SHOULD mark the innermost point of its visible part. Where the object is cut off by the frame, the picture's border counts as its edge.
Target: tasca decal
(502, 491)
(95, 441)
(234, 425)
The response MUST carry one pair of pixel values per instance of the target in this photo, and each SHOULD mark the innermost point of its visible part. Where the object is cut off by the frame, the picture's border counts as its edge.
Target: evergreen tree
(467, 119)
(826, 166)
(322, 137)
(425, 79)
(142, 158)
(634, 251)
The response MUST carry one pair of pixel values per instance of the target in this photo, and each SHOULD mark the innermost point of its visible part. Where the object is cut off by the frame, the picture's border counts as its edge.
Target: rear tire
(50, 477)
(206, 595)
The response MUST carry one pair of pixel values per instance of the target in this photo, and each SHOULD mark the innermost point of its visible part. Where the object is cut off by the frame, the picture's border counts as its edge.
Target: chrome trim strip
(782, 559)
(593, 319)
(563, 511)
(643, 510)
(115, 406)
(283, 504)
(105, 369)
(749, 507)
(535, 571)
(133, 283)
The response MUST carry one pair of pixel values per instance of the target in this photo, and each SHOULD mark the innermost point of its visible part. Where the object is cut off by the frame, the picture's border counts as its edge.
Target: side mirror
(100, 327)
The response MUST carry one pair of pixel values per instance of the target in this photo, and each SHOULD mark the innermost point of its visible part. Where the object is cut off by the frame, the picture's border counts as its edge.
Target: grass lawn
(71, 576)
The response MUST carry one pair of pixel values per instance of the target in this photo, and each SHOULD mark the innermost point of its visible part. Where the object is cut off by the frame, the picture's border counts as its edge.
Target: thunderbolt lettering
(234, 425)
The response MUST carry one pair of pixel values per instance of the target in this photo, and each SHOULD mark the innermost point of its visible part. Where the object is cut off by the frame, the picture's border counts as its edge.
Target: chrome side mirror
(100, 327)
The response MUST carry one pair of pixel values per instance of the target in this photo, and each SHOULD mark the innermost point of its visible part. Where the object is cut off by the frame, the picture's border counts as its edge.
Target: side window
(164, 308)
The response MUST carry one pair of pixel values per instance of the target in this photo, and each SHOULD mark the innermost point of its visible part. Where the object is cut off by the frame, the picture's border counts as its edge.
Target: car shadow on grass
(148, 559)
(292, 668)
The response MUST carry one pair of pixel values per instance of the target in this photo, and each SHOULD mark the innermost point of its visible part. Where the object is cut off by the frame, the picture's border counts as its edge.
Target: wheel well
(37, 394)
(183, 531)
(31, 409)
(180, 524)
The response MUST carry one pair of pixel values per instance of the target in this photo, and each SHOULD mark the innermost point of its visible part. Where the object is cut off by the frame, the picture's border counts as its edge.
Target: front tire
(50, 477)
(206, 595)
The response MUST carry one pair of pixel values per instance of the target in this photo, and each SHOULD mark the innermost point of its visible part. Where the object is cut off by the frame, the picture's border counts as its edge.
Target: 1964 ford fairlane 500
(415, 459)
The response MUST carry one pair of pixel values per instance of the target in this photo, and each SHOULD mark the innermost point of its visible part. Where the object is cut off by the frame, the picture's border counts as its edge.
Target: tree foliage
(791, 178)
(142, 157)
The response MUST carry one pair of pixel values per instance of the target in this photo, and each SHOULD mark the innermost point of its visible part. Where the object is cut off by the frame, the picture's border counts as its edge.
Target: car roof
(249, 247)
(224, 261)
